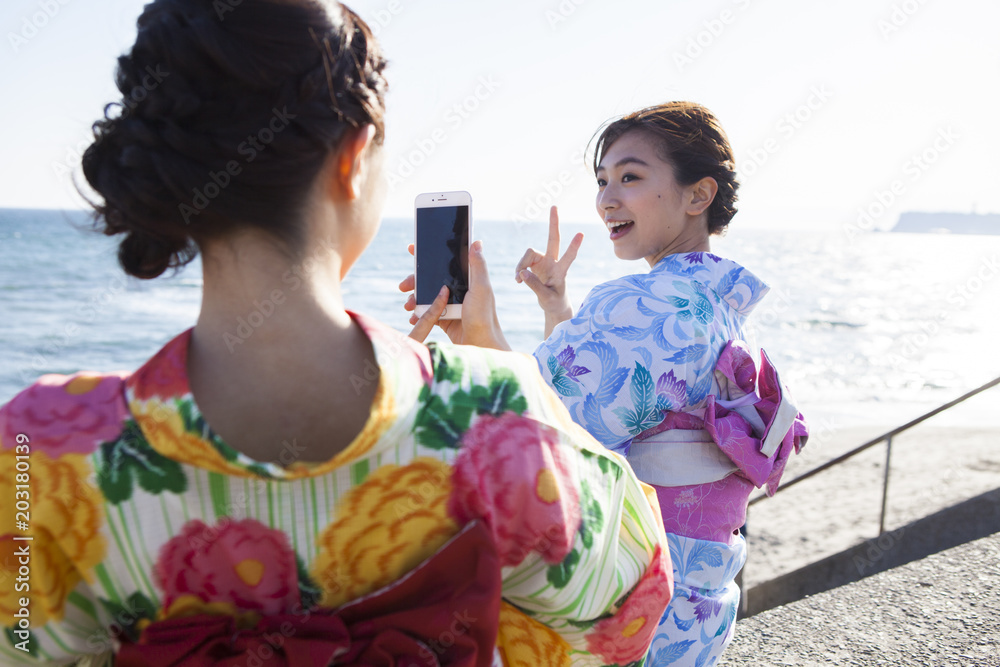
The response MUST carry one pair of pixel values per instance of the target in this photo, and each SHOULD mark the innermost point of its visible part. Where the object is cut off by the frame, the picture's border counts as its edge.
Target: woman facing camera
(656, 365)
(324, 490)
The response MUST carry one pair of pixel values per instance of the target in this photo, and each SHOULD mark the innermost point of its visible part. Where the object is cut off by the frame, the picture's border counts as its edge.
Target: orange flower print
(625, 637)
(512, 472)
(164, 429)
(523, 641)
(384, 528)
(66, 518)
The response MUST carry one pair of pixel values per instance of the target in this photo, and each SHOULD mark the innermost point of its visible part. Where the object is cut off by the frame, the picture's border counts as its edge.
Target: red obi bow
(444, 612)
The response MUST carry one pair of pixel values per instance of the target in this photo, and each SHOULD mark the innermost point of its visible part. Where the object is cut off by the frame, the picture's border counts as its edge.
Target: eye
(627, 178)
(601, 182)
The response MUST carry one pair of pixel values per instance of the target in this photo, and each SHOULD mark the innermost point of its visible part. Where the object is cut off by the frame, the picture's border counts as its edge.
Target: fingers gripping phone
(443, 227)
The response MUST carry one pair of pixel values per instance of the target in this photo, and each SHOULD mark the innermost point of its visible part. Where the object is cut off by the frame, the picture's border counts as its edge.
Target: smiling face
(648, 213)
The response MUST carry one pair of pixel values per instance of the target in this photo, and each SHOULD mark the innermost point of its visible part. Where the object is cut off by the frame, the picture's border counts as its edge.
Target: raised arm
(546, 274)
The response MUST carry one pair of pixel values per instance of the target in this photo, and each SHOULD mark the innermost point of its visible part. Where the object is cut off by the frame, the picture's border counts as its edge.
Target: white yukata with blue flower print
(640, 346)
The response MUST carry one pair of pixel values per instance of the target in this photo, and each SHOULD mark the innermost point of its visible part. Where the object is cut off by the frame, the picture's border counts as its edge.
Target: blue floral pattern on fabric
(647, 343)
(700, 620)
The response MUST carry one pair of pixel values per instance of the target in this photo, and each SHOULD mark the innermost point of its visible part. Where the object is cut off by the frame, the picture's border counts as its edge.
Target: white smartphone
(442, 231)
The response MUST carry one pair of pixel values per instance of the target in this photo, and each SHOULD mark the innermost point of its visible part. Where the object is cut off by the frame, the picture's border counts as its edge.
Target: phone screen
(442, 250)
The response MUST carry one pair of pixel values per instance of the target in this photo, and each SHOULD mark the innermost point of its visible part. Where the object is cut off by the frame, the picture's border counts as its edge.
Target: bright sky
(831, 107)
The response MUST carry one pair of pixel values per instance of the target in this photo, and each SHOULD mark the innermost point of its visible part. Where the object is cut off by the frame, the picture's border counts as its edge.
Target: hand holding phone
(443, 229)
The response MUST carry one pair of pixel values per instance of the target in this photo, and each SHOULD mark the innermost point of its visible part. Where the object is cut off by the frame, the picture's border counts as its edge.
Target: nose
(607, 199)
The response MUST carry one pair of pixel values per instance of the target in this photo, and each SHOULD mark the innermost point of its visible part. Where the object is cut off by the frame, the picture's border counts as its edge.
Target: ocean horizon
(865, 328)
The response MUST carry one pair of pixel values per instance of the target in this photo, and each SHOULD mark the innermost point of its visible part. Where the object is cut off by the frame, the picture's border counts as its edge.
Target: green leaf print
(309, 592)
(592, 516)
(697, 307)
(447, 367)
(440, 424)
(564, 384)
(505, 393)
(604, 463)
(642, 390)
(136, 608)
(560, 381)
(560, 574)
(30, 643)
(702, 309)
(677, 302)
(583, 625)
(131, 459)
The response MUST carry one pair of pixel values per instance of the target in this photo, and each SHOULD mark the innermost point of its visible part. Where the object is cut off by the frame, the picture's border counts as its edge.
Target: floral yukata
(655, 367)
(471, 522)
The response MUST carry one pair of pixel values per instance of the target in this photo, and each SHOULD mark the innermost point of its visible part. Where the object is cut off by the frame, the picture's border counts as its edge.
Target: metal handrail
(887, 437)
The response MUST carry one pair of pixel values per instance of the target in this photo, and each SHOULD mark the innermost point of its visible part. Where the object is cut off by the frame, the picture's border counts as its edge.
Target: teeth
(615, 225)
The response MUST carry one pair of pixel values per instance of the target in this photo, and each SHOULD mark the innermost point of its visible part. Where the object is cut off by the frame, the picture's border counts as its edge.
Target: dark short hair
(691, 139)
(229, 111)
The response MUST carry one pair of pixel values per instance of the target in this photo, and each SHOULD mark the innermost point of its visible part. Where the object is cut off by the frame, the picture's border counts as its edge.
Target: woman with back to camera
(323, 490)
(656, 366)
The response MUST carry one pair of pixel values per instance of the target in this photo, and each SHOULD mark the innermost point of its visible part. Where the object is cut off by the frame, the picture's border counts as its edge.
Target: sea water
(865, 328)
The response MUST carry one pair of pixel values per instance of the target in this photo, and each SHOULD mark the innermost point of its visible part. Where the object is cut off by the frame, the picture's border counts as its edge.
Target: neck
(695, 242)
(258, 298)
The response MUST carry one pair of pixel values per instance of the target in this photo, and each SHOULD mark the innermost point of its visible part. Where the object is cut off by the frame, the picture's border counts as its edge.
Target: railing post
(885, 484)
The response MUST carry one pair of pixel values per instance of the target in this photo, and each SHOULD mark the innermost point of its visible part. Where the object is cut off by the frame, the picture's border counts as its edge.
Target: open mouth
(619, 227)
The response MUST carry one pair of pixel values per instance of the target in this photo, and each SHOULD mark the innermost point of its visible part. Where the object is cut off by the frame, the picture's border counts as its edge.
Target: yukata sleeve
(51, 518)
(617, 374)
(586, 570)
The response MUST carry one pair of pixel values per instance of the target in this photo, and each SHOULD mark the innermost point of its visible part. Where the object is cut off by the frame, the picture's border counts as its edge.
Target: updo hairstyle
(690, 138)
(229, 111)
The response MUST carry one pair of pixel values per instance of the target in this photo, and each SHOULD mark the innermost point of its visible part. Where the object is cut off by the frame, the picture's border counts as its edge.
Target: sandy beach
(934, 465)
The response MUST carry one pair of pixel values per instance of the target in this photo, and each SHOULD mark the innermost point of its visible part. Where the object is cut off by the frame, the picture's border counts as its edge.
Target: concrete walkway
(941, 610)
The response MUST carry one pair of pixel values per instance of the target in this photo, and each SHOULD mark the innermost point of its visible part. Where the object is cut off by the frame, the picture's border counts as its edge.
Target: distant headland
(948, 223)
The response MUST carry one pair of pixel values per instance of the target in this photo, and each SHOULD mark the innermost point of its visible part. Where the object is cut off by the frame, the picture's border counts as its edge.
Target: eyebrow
(626, 160)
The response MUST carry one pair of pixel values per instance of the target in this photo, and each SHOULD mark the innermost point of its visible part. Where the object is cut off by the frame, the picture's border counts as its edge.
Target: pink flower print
(70, 414)
(511, 471)
(165, 375)
(625, 637)
(241, 562)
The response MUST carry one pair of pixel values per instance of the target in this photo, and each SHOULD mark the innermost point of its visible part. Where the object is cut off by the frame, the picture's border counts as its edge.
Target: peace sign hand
(546, 274)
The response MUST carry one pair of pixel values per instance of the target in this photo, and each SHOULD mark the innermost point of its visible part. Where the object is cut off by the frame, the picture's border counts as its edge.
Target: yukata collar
(161, 404)
(734, 284)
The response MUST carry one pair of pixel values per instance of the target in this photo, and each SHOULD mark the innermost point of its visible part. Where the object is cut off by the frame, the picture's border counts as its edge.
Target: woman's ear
(351, 161)
(700, 195)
